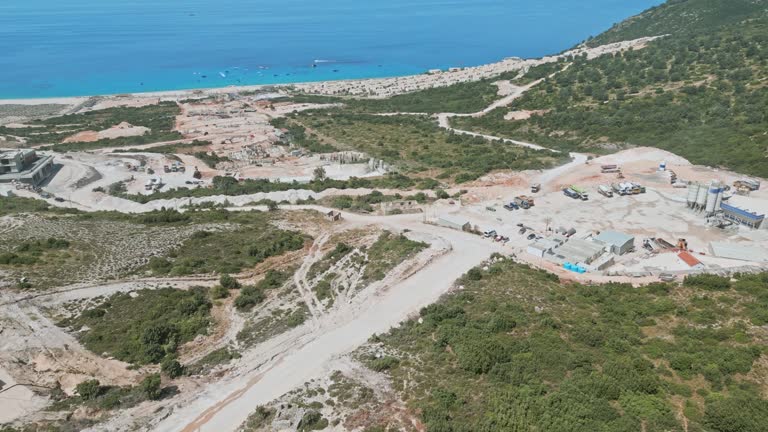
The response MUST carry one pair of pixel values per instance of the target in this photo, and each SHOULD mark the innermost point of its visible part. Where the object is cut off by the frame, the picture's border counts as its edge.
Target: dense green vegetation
(160, 119)
(699, 92)
(467, 97)
(388, 251)
(297, 135)
(228, 251)
(417, 143)
(516, 350)
(252, 295)
(365, 203)
(680, 17)
(145, 328)
(230, 186)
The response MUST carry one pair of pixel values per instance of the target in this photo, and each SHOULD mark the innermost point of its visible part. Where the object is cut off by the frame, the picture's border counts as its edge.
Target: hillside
(700, 92)
(682, 17)
(515, 350)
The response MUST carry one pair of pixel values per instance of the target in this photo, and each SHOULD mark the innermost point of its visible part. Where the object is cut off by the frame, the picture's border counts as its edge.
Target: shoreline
(381, 87)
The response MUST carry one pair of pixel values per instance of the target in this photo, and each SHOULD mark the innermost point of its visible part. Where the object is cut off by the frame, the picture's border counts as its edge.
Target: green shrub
(89, 390)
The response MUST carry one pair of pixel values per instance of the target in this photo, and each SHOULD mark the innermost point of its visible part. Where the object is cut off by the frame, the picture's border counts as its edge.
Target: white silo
(714, 190)
(701, 198)
(693, 192)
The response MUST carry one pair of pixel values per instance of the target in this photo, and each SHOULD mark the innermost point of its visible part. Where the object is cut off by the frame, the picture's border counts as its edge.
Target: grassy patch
(387, 252)
(329, 260)
(228, 251)
(160, 119)
(417, 143)
(261, 329)
(252, 295)
(215, 358)
(146, 326)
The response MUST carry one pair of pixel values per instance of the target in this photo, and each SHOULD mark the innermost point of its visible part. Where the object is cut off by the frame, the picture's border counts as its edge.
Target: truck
(748, 184)
(524, 202)
(606, 169)
(571, 193)
(512, 206)
(583, 195)
(535, 188)
(605, 191)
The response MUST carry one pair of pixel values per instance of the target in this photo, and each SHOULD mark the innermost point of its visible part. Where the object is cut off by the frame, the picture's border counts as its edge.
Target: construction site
(313, 282)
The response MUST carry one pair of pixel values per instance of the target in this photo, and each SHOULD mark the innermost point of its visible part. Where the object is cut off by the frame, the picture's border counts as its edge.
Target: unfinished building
(25, 166)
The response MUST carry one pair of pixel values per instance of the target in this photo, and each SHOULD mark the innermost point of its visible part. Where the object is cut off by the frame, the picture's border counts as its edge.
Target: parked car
(531, 236)
(59, 199)
(489, 233)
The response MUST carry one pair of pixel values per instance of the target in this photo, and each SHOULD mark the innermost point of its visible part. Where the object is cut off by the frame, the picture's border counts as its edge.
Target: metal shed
(454, 222)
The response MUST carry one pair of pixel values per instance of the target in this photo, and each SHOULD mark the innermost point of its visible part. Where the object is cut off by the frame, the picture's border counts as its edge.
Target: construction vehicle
(524, 202)
(664, 244)
(748, 184)
(166, 168)
(682, 244)
(535, 188)
(583, 195)
(571, 193)
(605, 191)
(197, 174)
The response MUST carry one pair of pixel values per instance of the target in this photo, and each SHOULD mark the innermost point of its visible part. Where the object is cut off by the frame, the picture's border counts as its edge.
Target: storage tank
(701, 198)
(715, 188)
(715, 191)
(693, 192)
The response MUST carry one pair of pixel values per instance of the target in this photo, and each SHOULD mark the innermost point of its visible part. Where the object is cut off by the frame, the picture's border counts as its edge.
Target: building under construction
(25, 166)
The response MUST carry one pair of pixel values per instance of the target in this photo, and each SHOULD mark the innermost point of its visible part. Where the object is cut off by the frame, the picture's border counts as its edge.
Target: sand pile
(123, 129)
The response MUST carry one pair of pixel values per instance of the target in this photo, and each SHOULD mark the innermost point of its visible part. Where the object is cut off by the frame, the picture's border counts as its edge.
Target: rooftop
(689, 259)
(752, 205)
(739, 252)
(614, 238)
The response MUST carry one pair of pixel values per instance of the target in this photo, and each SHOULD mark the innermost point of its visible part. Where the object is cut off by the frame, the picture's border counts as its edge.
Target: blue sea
(85, 47)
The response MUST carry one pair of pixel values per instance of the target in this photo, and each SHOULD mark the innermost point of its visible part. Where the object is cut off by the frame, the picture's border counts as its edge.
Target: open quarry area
(293, 259)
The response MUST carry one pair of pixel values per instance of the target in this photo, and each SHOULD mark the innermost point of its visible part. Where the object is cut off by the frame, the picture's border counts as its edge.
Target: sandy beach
(372, 88)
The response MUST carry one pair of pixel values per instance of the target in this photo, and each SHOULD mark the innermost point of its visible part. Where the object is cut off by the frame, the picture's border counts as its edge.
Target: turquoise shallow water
(84, 47)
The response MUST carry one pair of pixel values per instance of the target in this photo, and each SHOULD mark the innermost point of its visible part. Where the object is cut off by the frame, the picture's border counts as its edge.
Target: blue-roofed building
(745, 211)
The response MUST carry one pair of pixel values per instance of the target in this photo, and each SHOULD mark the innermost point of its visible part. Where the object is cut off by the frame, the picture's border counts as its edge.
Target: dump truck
(605, 191)
(524, 202)
(535, 188)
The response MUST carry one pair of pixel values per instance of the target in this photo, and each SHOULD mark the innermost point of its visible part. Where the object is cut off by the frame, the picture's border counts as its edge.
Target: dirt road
(227, 404)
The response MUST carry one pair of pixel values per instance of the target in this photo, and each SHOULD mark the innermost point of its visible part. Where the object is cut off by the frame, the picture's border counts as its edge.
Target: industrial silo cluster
(705, 198)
